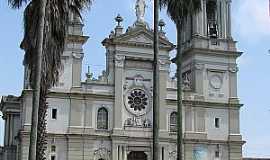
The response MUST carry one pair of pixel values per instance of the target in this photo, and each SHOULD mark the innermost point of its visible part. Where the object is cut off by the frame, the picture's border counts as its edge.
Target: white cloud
(251, 18)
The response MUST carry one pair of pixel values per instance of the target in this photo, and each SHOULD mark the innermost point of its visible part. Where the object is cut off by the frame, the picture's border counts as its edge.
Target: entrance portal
(137, 155)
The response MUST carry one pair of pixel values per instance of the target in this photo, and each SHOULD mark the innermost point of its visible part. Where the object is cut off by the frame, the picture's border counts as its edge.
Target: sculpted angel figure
(140, 10)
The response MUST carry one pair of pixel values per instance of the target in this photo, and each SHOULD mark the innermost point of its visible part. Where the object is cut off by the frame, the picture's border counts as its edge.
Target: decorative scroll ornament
(233, 69)
(77, 55)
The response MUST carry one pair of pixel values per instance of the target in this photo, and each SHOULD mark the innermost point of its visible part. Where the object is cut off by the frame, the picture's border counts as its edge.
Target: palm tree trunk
(42, 123)
(155, 84)
(179, 94)
(36, 88)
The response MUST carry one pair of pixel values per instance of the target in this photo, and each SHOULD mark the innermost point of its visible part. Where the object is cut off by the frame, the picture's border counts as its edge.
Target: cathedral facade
(110, 118)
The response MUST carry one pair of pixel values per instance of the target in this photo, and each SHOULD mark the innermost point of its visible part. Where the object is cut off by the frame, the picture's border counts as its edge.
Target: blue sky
(251, 28)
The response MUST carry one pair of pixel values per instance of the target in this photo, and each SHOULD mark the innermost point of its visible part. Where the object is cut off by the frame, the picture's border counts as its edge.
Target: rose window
(137, 101)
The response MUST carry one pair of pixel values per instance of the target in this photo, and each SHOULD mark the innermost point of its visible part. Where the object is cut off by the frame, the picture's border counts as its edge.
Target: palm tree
(45, 25)
(155, 84)
(179, 11)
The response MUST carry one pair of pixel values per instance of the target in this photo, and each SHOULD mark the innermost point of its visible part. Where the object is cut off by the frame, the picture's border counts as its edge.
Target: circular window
(137, 101)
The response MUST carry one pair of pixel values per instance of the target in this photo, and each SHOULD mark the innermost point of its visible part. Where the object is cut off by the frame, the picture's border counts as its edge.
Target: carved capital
(119, 60)
(199, 66)
(77, 55)
(163, 65)
(233, 69)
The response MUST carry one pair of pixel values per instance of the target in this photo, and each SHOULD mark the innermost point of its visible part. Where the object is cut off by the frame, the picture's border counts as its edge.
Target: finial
(161, 24)
(119, 19)
(89, 75)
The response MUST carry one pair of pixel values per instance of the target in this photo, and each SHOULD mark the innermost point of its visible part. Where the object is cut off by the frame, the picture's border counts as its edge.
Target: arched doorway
(137, 155)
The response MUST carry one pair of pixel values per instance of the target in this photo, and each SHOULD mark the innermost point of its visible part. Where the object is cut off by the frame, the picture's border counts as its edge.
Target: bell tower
(213, 21)
(208, 45)
(210, 70)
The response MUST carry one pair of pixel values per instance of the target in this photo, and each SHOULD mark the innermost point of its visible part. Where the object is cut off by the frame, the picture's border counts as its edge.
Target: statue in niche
(140, 10)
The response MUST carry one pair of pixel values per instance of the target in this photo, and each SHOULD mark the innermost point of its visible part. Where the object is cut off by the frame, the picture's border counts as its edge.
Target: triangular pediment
(139, 36)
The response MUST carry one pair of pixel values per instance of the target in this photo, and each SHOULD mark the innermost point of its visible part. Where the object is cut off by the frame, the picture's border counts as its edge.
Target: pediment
(139, 37)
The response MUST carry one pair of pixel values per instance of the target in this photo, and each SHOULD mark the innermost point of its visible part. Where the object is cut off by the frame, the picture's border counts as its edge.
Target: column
(120, 152)
(204, 18)
(114, 152)
(229, 25)
(11, 136)
(124, 152)
(6, 130)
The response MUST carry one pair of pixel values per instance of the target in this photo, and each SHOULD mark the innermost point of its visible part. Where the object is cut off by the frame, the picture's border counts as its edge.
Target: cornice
(77, 38)
(79, 95)
(205, 104)
(213, 52)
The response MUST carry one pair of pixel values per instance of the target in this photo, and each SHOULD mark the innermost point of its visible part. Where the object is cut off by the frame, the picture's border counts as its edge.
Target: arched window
(173, 122)
(211, 7)
(102, 118)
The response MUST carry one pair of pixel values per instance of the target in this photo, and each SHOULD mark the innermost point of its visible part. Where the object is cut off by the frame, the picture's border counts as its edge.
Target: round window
(137, 101)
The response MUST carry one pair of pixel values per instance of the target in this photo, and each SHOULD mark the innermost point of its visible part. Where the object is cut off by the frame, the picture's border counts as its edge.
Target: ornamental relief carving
(102, 153)
(216, 80)
(119, 60)
(139, 122)
(187, 80)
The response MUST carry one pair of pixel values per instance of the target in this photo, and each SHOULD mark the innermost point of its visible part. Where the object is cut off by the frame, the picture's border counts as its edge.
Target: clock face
(216, 82)
(137, 101)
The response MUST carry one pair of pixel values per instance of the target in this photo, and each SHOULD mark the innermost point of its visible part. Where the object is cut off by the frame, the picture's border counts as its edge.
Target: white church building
(110, 118)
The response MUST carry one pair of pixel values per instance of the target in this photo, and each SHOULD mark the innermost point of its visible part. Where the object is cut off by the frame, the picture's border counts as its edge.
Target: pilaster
(76, 69)
(162, 85)
(235, 151)
(199, 78)
(118, 103)
(233, 81)
(188, 151)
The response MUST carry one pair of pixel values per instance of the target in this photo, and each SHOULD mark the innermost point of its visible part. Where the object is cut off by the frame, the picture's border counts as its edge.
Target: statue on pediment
(140, 10)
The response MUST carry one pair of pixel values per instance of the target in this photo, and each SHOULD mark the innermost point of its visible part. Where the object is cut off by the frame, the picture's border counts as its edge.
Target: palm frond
(54, 40)
(179, 10)
(17, 3)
